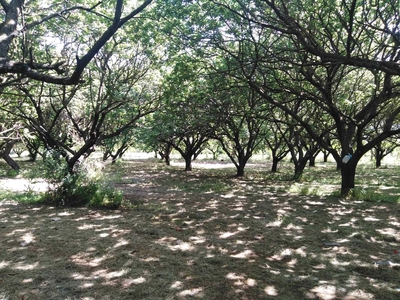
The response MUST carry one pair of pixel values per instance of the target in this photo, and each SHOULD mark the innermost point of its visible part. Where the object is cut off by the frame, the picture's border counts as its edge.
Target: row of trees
(294, 77)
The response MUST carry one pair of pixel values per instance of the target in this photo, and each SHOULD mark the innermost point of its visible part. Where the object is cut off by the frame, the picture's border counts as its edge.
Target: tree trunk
(6, 155)
(326, 154)
(378, 157)
(188, 163)
(298, 171)
(348, 172)
(84, 152)
(12, 163)
(275, 161)
(240, 170)
(106, 155)
(312, 161)
(378, 161)
(167, 159)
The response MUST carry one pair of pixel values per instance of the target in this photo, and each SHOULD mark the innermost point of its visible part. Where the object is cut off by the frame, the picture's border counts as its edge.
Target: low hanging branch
(33, 70)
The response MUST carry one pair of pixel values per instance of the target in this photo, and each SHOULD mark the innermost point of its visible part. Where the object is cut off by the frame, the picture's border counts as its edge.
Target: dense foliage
(293, 78)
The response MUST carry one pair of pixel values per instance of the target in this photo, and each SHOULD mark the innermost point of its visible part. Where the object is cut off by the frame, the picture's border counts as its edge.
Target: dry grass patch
(178, 236)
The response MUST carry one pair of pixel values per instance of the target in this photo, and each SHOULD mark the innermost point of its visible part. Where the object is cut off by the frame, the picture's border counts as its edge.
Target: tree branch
(31, 70)
(4, 5)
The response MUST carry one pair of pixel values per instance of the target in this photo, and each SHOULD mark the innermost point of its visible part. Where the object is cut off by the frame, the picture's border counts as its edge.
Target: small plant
(83, 187)
(12, 173)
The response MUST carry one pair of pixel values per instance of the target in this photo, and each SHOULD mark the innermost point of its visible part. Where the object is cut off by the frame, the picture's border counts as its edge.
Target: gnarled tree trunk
(5, 154)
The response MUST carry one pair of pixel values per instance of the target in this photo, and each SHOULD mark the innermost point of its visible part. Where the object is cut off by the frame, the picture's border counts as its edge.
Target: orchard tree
(147, 137)
(177, 127)
(116, 147)
(276, 137)
(73, 120)
(342, 58)
(240, 127)
(28, 25)
(186, 120)
(384, 149)
(38, 39)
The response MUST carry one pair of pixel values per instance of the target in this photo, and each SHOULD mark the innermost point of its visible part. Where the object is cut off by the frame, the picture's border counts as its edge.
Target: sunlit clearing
(359, 294)
(111, 275)
(133, 281)
(325, 292)
(315, 202)
(82, 259)
(197, 292)
(251, 282)
(379, 285)
(301, 252)
(174, 244)
(233, 276)
(371, 219)
(27, 239)
(86, 285)
(276, 223)
(21, 185)
(244, 254)
(239, 280)
(352, 281)
(78, 276)
(320, 266)
(150, 259)
(329, 230)
(87, 226)
(65, 213)
(282, 254)
(225, 235)
(292, 263)
(197, 239)
(228, 196)
(335, 262)
(25, 267)
(212, 204)
(389, 231)
(177, 285)
(291, 226)
(183, 246)
(271, 290)
(121, 242)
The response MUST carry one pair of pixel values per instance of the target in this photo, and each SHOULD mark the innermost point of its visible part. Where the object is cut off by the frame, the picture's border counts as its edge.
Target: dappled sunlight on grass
(178, 237)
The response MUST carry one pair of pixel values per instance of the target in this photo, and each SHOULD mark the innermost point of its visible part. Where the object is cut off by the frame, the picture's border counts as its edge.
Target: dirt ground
(201, 236)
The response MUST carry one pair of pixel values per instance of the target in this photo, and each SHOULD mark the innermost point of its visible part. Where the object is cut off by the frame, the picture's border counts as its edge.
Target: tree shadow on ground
(179, 241)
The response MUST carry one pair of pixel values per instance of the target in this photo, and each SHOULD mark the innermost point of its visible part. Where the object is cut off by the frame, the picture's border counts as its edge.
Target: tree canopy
(298, 76)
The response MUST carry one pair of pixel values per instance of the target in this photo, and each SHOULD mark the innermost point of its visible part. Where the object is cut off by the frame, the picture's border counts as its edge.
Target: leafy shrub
(81, 188)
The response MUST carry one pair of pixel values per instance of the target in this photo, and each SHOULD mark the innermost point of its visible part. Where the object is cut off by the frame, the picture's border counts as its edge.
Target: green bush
(74, 192)
(82, 188)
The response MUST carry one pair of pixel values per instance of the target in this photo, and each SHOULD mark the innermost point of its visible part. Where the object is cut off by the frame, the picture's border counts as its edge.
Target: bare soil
(200, 235)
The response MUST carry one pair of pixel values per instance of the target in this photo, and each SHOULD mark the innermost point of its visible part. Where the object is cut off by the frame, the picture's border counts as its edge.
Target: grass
(207, 235)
